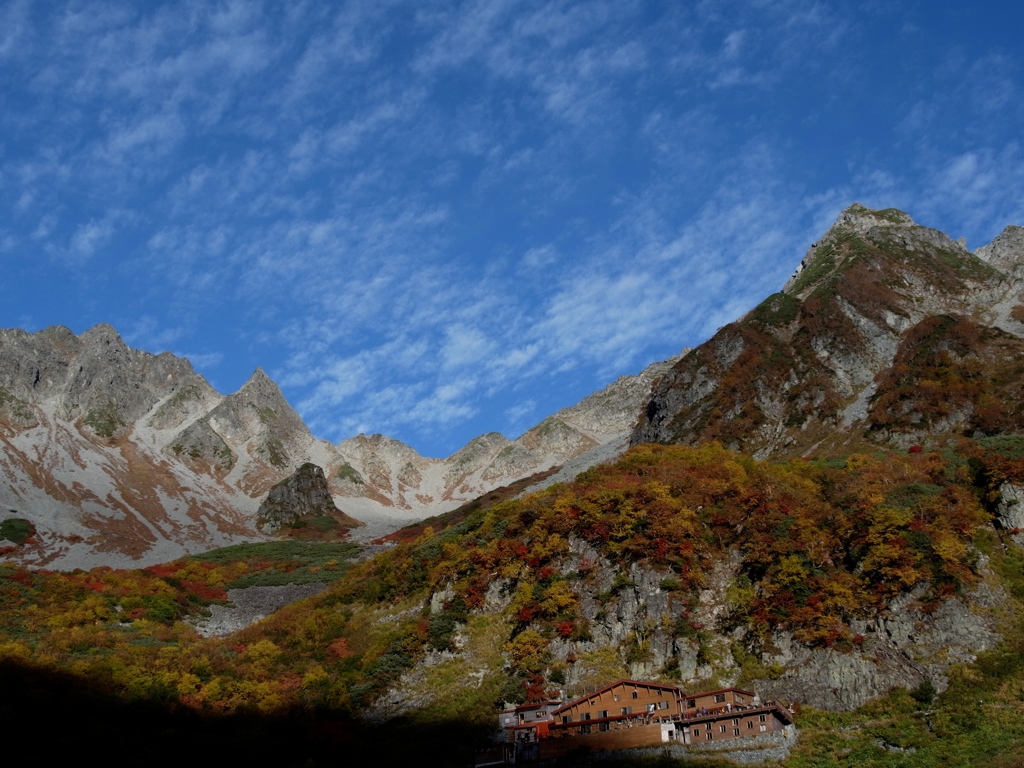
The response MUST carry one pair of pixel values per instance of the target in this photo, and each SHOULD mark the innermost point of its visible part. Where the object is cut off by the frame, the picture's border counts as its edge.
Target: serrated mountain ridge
(888, 333)
(122, 457)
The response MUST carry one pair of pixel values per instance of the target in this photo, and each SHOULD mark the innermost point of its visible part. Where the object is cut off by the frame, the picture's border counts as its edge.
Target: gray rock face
(15, 414)
(1006, 252)
(1010, 510)
(304, 494)
(259, 416)
(186, 403)
(35, 366)
(95, 376)
(903, 648)
(203, 448)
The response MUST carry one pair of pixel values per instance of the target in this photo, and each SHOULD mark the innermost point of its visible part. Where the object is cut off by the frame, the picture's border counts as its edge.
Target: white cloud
(14, 28)
(90, 236)
(149, 333)
(422, 213)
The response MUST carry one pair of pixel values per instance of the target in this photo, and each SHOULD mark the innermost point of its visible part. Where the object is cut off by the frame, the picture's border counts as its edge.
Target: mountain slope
(889, 333)
(120, 457)
(115, 455)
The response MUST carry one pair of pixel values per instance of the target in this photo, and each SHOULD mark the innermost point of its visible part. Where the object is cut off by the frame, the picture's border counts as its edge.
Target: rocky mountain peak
(94, 376)
(890, 240)
(481, 445)
(261, 395)
(1006, 252)
(102, 333)
(376, 443)
(260, 387)
(879, 310)
(257, 416)
(860, 217)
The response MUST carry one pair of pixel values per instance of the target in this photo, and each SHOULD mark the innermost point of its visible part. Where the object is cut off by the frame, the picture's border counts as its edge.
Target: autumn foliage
(818, 544)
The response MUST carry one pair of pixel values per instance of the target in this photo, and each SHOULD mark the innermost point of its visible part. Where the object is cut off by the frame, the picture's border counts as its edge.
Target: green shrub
(104, 421)
(925, 693)
(347, 472)
(17, 529)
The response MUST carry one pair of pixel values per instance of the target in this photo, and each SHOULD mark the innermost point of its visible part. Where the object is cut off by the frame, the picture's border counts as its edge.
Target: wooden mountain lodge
(634, 713)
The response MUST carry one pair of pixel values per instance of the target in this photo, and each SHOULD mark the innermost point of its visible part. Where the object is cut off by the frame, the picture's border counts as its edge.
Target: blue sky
(436, 219)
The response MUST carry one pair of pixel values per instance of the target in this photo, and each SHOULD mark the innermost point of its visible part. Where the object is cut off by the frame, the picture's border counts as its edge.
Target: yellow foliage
(315, 677)
(16, 650)
(528, 650)
(263, 654)
(558, 600)
(791, 571)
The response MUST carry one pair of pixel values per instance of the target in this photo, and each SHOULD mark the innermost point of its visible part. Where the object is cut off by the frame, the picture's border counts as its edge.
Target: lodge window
(603, 726)
(750, 723)
(691, 702)
(586, 715)
(566, 718)
(662, 705)
(762, 718)
(719, 698)
(602, 713)
(615, 697)
(721, 728)
(764, 728)
(627, 710)
(735, 731)
(584, 729)
(709, 735)
(635, 694)
(735, 721)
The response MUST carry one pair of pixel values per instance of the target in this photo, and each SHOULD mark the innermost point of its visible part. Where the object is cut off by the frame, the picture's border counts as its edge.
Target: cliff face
(888, 333)
(902, 647)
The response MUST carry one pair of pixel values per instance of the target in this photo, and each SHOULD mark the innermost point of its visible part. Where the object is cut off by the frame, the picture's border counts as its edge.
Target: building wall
(730, 726)
(623, 738)
(612, 702)
(716, 700)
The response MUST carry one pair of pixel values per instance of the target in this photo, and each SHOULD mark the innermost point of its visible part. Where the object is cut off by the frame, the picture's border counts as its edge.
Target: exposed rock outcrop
(1010, 510)
(901, 649)
(1006, 252)
(302, 495)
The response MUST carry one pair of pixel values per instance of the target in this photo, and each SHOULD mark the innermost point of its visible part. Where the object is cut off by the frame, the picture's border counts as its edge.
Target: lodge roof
(533, 705)
(674, 688)
(744, 691)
